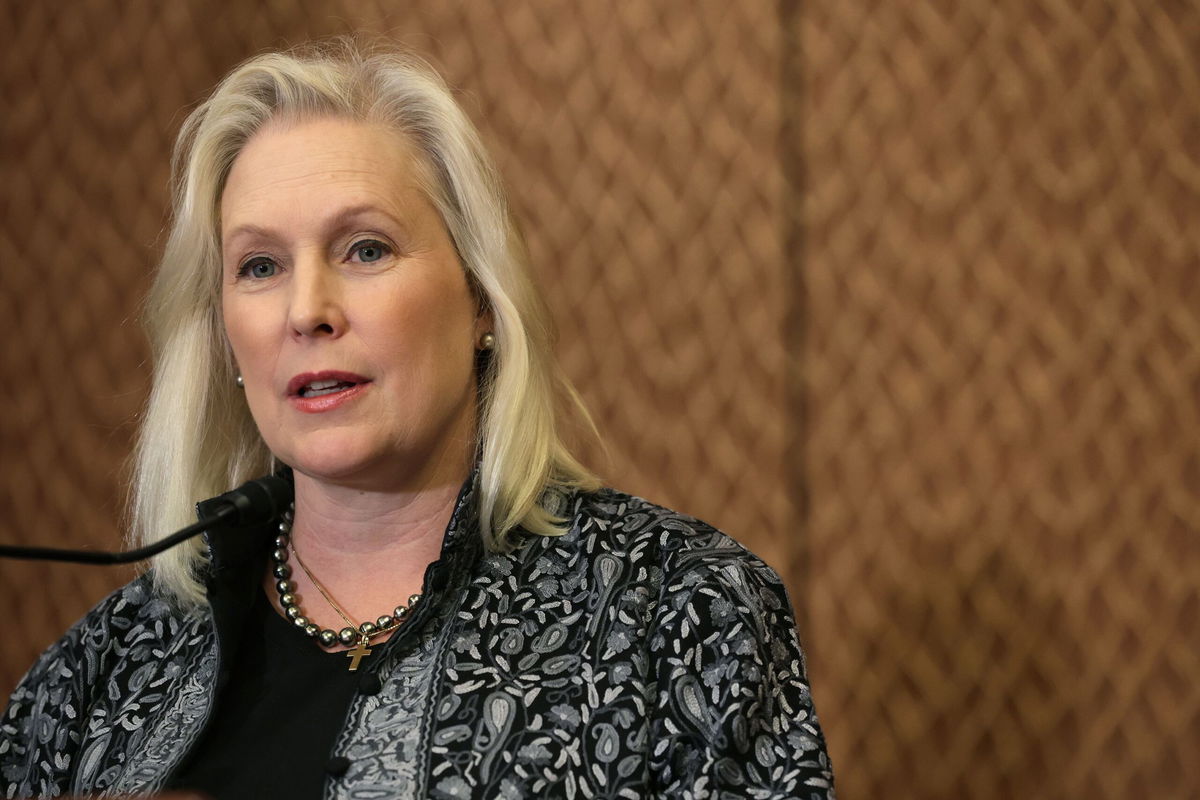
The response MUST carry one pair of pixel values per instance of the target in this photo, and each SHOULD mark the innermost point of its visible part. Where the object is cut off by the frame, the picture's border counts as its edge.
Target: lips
(317, 384)
(316, 392)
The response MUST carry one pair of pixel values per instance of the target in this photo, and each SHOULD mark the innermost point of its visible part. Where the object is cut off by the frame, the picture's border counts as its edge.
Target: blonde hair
(198, 438)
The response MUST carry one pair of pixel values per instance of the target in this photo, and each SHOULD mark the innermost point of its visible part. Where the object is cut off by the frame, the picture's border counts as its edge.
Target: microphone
(253, 502)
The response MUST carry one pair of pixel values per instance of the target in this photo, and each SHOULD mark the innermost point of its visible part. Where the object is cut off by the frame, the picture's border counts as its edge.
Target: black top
(285, 703)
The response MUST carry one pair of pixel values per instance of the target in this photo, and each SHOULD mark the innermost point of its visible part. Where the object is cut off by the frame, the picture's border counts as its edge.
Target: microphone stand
(254, 501)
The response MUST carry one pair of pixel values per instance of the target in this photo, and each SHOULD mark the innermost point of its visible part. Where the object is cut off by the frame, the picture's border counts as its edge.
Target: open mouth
(314, 385)
(319, 388)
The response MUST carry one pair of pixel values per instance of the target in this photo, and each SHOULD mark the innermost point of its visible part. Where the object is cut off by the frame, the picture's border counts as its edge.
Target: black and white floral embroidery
(641, 654)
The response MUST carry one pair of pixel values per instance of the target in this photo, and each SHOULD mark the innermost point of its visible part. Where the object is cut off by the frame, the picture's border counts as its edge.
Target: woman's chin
(366, 469)
(338, 463)
(373, 462)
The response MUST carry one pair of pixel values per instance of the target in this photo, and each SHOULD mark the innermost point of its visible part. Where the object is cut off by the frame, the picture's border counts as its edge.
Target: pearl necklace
(363, 632)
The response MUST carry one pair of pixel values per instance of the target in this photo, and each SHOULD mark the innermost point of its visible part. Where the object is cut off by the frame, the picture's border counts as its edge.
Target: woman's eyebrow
(351, 213)
(248, 229)
(348, 214)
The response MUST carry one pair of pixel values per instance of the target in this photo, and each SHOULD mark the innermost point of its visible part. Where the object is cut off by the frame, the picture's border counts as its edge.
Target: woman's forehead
(319, 167)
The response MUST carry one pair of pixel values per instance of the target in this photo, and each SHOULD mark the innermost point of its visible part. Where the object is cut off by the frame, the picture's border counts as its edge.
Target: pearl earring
(241, 384)
(487, 341)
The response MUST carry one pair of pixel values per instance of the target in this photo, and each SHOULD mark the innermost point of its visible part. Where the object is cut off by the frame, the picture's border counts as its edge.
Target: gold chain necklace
(289, 602)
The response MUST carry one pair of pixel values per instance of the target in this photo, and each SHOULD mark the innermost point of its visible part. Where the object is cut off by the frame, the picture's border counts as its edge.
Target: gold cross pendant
(360, 652)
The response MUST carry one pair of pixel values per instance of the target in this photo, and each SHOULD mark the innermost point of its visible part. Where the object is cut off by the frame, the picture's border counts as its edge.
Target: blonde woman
(452, 607)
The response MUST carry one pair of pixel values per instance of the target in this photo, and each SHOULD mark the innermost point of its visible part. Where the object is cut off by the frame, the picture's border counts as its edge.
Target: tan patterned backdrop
(903, 295)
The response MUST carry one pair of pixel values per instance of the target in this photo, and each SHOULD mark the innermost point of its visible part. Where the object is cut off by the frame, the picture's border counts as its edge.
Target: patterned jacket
(642, 654)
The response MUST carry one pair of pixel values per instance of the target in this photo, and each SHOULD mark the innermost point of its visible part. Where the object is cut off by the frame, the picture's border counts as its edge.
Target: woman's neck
(369, 550)
(354, 524)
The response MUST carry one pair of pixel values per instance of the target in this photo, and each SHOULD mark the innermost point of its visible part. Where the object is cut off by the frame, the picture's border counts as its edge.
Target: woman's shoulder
(623, 539)
(132, 618)
(131, 611)
(100, 682)
(670, 621)
(612, 520)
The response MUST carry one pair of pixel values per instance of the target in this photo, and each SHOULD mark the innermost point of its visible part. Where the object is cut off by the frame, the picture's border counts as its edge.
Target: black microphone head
(259, 500)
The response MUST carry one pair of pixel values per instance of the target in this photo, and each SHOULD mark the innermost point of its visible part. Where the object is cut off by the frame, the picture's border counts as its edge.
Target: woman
(453, 607)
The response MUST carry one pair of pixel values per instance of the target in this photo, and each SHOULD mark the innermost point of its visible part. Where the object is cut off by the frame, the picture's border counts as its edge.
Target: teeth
(318, 388)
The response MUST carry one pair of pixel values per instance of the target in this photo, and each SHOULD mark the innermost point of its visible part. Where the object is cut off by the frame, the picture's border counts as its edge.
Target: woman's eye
(257, 268)
(369, 250)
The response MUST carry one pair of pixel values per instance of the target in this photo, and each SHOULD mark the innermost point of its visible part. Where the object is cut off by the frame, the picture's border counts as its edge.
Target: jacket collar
(232, 548)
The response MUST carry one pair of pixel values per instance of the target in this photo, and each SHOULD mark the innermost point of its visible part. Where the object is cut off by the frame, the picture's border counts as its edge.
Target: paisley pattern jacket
(641, 654)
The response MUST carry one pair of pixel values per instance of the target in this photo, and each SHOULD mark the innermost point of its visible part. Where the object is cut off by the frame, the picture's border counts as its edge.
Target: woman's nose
(316, 302)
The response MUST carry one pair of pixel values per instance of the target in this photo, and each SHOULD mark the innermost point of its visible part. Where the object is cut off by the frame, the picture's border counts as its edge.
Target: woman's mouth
(319, 388)
(315, 392)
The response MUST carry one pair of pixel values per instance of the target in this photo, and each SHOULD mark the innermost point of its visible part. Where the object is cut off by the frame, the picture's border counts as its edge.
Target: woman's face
(348, 312)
